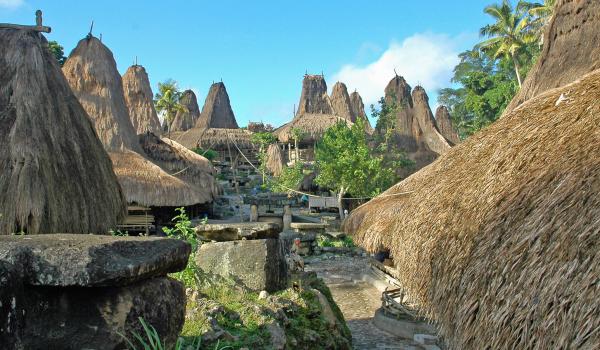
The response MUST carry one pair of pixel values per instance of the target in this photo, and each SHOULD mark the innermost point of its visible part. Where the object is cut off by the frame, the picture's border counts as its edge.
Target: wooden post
(235, 181)
(287, 217)
(254, 213)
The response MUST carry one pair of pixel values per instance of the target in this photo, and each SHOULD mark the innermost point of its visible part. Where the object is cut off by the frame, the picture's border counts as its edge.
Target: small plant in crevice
(183, 230)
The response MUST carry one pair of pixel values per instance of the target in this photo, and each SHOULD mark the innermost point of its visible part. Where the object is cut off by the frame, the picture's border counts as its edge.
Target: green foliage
(206, 153)
(183, 230)
(346, 242)
(263, 138)
(166, 100)
(58, 51)
(386, 121)
(118, 233)
(345, 162)
(291, 177)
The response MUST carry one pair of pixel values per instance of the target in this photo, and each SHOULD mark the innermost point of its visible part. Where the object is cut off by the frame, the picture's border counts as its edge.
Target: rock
(278, 339)
(91, 318)
(217, 112)
(444, 123)
(236, 231)
(263, 294)
(327, 312)
(314, 98)
(256, 264)
(340, 101)
(92, 260)
(11, 299)
(187, 118)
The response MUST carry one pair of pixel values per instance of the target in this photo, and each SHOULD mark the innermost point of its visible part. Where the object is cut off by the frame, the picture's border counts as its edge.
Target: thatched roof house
(139, 101)
(340, 101)
(213, 138)
(93, 76)
(358, 109)
(314, 98)
(275, 159)
(503, 251)
(56, 176)
(312, 125)
(217, 112)
(187, 118)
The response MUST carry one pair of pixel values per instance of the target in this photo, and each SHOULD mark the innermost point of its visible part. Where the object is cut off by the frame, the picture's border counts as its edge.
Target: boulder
(92, 260)
(235, 231)
(257, 264)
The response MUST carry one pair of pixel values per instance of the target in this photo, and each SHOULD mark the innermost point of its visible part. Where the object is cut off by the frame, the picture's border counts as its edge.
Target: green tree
(297, 135)
(263, 139)
(166, 101)
(290, 179)
(510, 33)
(58, 51)
(344, 162)
(386, 121)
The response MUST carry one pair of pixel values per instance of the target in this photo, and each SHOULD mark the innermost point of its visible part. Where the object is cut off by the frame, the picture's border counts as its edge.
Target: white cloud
(424, 59)
(11, 4)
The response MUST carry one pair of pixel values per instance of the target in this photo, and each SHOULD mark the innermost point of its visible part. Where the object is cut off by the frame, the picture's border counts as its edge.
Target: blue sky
(261, 49)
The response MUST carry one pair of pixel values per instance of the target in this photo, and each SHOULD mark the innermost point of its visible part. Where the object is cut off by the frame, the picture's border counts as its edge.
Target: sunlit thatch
(138, 99)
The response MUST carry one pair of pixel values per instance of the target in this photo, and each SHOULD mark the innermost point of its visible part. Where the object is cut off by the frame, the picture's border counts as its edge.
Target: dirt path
(358, 302)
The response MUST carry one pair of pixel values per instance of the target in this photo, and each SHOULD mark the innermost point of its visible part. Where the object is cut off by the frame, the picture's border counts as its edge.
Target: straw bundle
(498, 240)
(56, 176)
(187, 118)
(217, 112)
(182, 163)
(92, 74)
(213, 138)
(313, 126)
(138, 99)
(275, 159)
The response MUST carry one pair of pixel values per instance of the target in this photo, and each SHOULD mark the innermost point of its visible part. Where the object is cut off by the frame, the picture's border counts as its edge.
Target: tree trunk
(517, 70)
(296, 151)
(340, 205)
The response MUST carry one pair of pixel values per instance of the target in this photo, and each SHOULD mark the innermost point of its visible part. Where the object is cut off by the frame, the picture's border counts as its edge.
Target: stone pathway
(358, 301)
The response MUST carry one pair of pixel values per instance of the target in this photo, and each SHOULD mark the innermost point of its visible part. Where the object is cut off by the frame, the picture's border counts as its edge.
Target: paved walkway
(358, 302)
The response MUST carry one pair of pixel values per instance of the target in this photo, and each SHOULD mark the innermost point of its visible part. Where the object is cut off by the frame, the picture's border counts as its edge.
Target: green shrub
(183, 230)
(206, 153)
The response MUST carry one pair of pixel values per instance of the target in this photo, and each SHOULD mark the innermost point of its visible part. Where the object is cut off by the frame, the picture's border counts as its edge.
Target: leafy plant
(119, 233)
(183, 230)
(206, 153)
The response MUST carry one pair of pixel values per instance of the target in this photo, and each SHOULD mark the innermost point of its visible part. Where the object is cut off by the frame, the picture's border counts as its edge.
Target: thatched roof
(340, 101)
(213, 138)
(56, 176)
(186, 119)
(313, 125)
(275, 160)
(428, 130)
(498, 239)
(145, 183)
(575, 50)
(358, 108)
(314, 98)
(139, 102)
(217, 112)
(444, 123)
(92, 74)
(182, 163)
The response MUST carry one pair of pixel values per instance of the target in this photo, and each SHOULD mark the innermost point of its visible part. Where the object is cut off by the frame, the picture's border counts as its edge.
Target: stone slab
(223, 232)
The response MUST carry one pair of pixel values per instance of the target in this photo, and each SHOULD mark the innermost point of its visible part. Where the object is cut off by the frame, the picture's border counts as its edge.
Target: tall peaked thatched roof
(56, 176)
(429, 133)
(575, 50)
(503, 251)
(358, 109)
(187, 118)
(182, 163)
(340, 101)
(213, 138)
(217, 112)
(444, 123)
(92, 73)
(275, 160)
(313, 126)
(139, 102)
(314, 98)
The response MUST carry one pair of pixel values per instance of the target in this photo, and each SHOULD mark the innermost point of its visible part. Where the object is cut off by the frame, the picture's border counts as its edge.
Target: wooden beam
(21, 27)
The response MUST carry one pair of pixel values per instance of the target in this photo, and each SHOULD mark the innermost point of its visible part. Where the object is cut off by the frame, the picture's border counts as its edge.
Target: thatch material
(398, 93)
(217, 112)
(358, 109)
(444, 123)
(275, 160)
(147, 184)
(498, 239)
(213, 138)
(187, 118)
(313, 126)
(575, 49)
(429, 133)
(139, 101)
(314, 98)
(340, 101)
(182, 163)
(92, 74)
(56, 176)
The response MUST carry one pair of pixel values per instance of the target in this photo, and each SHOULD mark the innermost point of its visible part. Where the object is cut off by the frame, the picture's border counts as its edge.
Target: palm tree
(540, 14)
(510, 34)
(166, 101)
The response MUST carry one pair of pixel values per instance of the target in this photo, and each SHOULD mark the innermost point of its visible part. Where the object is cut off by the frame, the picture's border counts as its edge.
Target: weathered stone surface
(11, 298)
(217, 112)
(257, 264)
(92, 318)
(314, 98)
(236, 231)
(92, 260)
